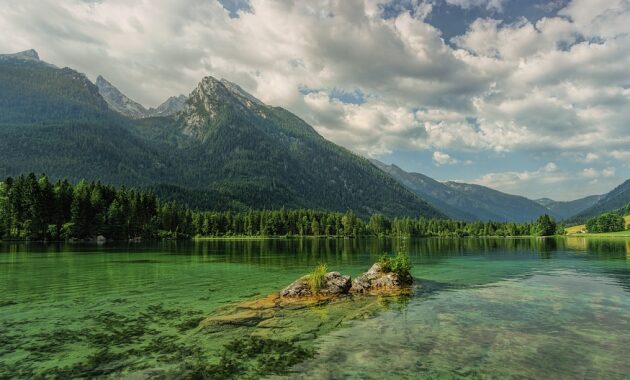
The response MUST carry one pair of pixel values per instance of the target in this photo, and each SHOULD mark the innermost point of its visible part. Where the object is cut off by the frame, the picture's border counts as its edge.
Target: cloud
(537, 182)
(594, 173)
(591, 157)
(496, 5)
(441, 158)
(512, 180)
(559, 85)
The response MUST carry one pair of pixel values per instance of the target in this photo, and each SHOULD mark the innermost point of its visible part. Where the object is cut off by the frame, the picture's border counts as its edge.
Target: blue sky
(528, 97)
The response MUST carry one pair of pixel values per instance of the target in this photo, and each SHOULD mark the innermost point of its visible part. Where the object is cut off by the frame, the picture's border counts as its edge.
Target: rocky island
(389, 276)
(380, 278)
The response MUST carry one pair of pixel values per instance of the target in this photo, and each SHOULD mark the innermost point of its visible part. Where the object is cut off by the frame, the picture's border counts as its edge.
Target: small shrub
(399, 264)
(317, 278)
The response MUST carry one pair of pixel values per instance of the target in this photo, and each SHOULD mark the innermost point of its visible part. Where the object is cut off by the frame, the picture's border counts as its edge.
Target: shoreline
(625, 235)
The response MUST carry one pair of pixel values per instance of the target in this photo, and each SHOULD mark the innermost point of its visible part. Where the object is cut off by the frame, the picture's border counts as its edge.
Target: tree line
(34, 208)
(606, 222)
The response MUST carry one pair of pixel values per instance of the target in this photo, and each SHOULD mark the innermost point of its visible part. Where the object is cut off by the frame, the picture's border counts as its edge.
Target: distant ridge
(617, 198)
(568, 209)
(466, 201)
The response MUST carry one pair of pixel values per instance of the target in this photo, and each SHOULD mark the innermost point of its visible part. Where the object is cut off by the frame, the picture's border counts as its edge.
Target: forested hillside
(468, 202)
(225, 151)
(33, 208)
(618, 198)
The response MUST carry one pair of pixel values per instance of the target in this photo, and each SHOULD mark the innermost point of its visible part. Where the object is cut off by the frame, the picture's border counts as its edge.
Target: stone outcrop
(336, 285)
(376, 279)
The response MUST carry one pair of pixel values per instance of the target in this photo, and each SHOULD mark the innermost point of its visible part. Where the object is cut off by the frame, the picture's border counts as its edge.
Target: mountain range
(222, 148)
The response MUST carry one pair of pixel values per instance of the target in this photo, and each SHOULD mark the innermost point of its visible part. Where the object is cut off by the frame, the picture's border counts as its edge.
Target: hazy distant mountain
(171, 106)
(118, 101)
(568, 209)
(465, 201)
(435, 193)
(617, 198)
(224, 150)
(506, 207)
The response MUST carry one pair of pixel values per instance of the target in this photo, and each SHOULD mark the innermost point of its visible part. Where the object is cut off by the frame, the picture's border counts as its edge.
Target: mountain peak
(117, 101)
(210, 97)
(219, 88)
(29, 54)
(26, 55)
(171, 106)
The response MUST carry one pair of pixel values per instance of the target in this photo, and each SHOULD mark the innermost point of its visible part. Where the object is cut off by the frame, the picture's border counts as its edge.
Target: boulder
(378, 280)
(336, 284)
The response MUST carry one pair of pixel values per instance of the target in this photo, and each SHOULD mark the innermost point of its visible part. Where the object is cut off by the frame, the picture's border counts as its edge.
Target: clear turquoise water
(482, 308)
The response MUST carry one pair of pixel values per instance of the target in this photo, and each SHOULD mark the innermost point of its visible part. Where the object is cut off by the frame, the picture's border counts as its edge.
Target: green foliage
(33, 208)
(317, 277)
(545, 226)
(606, 222)
(36, 209)
(399, 264)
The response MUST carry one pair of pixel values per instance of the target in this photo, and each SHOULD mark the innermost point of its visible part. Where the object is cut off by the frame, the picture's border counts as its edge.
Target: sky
(527, 97)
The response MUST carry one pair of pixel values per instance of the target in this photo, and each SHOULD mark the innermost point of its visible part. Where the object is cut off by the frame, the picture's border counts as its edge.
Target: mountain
(435, 193)
(256, 155)
(500, 206)
(466, 201)
(34, 92)
(171, 106)
(119, 102)
(568, 209)
(224, 150)
(26, 55)
(617, 198)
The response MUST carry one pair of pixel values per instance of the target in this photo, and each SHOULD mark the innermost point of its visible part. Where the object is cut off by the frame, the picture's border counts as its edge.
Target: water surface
(503, 308)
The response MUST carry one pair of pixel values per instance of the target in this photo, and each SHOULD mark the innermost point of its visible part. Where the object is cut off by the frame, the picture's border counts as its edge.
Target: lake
(480, 308)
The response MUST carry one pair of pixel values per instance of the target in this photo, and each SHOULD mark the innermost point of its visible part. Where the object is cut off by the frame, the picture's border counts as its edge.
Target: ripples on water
(521, 308)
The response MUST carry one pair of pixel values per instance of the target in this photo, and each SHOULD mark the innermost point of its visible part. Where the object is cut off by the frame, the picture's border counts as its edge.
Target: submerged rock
(336, 284)
(376, 279)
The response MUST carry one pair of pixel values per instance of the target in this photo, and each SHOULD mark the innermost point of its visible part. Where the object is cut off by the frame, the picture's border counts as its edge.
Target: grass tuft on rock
(399, 264)
(317, 277)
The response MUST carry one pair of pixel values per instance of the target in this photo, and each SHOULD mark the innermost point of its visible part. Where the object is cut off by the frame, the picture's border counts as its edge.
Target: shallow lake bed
(521, 308)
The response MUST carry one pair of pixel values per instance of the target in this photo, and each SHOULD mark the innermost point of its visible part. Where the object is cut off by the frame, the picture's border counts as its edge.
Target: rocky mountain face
(26, 55)
(170, 107)
(121, 103)
(224, 150)
(466, 201)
